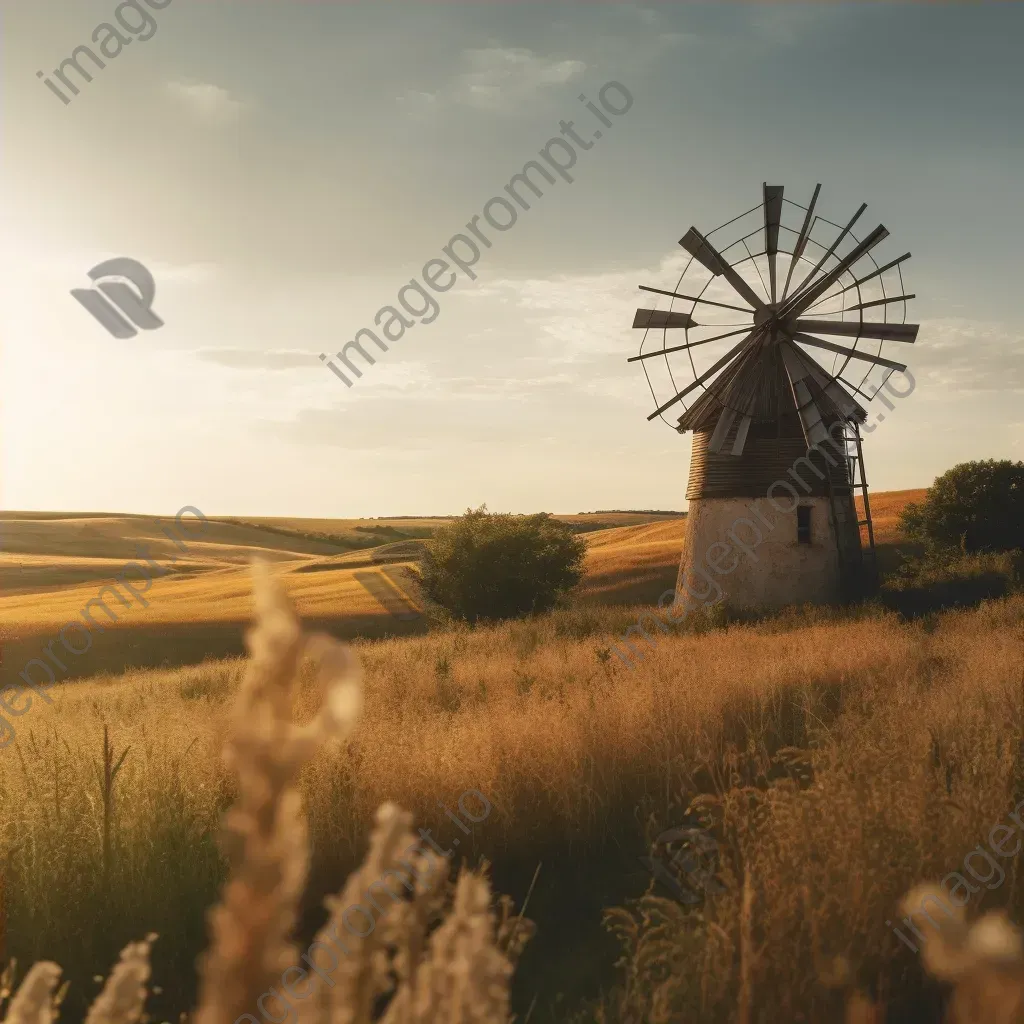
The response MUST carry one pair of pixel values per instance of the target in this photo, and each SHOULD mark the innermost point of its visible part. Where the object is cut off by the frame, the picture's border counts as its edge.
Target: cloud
(210, 102)
(437, 419)
(248, 359)
(485, 388)
(389, 376)
(969, 355)
(496, 79)
(585, 316)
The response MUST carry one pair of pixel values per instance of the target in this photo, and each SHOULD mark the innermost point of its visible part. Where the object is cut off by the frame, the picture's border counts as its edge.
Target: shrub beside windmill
(769, 421)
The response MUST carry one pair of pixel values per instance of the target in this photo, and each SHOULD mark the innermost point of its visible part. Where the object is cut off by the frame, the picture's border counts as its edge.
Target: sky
(283, 169)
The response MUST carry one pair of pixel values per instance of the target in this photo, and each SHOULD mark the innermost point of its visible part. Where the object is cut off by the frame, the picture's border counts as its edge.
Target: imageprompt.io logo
(132, 304)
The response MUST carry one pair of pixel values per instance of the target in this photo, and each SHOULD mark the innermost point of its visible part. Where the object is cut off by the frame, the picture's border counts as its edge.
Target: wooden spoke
(710, 258)
(772, 218)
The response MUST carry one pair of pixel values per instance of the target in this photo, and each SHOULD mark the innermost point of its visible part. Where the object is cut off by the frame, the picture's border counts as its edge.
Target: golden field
(839, 755)
(52, 566)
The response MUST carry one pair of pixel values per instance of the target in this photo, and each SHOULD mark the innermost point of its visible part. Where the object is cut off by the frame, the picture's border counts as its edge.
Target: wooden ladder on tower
(859, 482)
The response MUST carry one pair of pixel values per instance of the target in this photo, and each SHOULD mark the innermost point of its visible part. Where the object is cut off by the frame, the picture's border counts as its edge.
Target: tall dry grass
(840, 761)
(431, 966)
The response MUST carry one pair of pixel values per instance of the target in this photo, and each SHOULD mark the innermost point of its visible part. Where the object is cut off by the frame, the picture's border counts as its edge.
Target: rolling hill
(53, 564)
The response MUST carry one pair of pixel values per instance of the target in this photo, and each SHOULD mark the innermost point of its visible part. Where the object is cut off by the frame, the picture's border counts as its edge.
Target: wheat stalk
(265, 831)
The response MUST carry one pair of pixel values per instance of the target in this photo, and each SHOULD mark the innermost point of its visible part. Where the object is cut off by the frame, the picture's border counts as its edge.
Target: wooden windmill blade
(743, 416)
(801, 240)
(732, 398)
(860, 328)
(662, 318)
(680, 395)
(808, 339)
(705, 253)
(740, 414)
(841, 402)
(721, 430)
(741, 435)
(845, 403)
(805, 284)
(720, 393)
(832, 399)
(806, 298)
(709, 401)
(740, 393)
(773, 195)
(807, 406)
(731, 390)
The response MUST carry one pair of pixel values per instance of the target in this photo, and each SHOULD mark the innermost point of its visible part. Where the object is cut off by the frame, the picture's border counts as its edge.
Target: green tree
(976, 506)
(486, 566)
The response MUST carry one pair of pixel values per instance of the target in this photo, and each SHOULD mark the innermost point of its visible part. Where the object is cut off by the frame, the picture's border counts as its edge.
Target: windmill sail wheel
(773, 330)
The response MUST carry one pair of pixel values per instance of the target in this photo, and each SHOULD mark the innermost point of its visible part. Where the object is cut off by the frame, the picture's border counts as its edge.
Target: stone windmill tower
(777, 453)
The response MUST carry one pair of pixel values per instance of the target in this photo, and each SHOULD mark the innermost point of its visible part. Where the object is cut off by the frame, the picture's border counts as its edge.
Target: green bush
(948, 578)
(975, 506)
(486, 566)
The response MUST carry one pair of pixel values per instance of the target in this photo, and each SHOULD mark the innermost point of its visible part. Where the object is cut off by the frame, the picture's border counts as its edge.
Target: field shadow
(627, 587)
(172, 645)
(915, 602)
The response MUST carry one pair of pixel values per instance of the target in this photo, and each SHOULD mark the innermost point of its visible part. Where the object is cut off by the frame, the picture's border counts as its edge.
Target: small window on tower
(803, 524)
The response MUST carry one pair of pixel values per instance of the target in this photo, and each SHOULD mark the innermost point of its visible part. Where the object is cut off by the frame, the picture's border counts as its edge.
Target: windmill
(777, 449)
